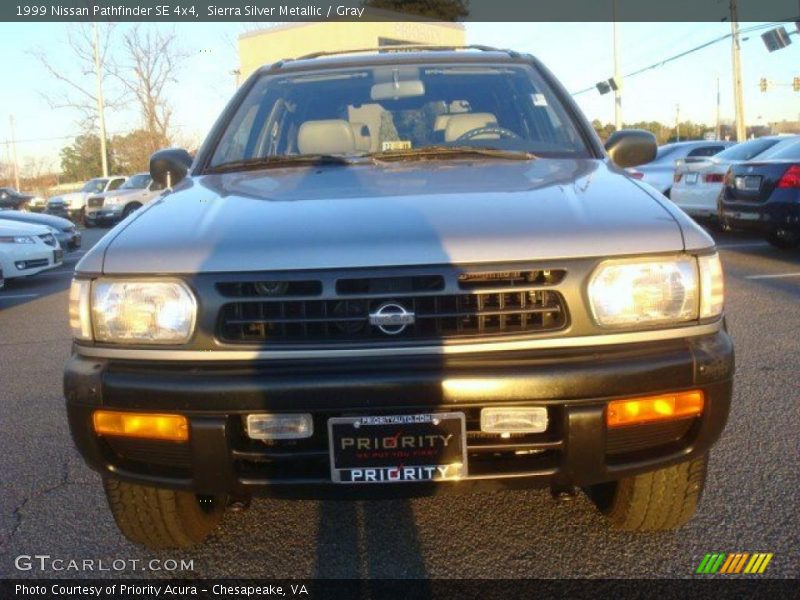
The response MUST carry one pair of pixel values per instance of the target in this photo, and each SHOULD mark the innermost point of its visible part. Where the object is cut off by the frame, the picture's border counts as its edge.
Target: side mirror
(168, 167)
(631, 147)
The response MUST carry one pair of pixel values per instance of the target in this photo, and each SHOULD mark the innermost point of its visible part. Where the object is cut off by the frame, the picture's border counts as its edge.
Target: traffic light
(763, 84)
(796, 84)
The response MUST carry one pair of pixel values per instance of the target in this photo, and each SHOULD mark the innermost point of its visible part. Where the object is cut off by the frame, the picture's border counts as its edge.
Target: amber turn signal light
(635, 411)
(141, 425)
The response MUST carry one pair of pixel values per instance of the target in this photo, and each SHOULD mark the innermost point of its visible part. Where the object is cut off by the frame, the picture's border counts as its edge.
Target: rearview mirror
(392, 90)
(631, 147)
(168, 167)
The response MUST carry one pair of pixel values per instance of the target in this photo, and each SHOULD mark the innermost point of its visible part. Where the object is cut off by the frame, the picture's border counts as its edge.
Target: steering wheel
(501, 132)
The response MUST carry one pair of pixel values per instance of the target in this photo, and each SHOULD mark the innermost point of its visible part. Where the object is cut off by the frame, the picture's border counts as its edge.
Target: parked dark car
(764, 196)
(11, 198)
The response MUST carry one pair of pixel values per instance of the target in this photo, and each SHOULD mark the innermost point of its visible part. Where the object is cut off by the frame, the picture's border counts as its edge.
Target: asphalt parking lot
(52, 504)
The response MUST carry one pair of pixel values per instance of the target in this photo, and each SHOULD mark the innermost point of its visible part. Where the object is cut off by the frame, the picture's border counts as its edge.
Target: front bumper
(575, 385)
(103, 215)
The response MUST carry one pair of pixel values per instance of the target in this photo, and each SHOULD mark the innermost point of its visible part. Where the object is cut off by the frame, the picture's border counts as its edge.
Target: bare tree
(150, 62)
(78, 85)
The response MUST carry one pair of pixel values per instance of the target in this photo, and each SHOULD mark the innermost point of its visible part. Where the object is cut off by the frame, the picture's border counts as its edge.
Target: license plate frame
(412, 457)
(691, 178)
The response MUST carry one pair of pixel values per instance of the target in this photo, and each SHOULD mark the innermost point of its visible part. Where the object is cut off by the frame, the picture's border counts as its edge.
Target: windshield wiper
(268, 162)
(450, 151)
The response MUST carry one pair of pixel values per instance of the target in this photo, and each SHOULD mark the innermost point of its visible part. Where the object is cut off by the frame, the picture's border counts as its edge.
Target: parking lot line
(4, 297)
(773, 276)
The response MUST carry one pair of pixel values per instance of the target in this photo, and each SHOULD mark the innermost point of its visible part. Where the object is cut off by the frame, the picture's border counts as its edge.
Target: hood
(13, 228)
(409, 213)
(67, 198)
(35, 218)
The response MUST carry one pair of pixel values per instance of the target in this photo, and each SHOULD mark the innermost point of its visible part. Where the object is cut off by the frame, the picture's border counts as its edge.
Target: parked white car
(660, 171)
(73, 205)
(27, 249)
(110, 207)
(697, 184)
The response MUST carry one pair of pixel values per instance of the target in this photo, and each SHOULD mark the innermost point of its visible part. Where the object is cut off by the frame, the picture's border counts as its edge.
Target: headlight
(132, 312)
(16, 239)
(630, 292)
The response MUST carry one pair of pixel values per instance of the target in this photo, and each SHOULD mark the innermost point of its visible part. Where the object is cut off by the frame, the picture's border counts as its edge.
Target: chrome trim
(533, 344)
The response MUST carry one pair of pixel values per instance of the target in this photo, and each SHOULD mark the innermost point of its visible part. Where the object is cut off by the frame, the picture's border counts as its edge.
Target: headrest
(329, 136)
(459, 124)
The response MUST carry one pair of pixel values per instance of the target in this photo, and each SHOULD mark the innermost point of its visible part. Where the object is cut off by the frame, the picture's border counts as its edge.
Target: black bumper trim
(575, 385)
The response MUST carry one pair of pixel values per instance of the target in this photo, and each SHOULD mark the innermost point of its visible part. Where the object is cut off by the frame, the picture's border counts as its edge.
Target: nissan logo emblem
(391, 318)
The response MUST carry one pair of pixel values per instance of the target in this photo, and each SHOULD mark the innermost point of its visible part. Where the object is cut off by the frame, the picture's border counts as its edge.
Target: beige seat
(362, 137)
(328, 136)
(459, 124)
(440, 124)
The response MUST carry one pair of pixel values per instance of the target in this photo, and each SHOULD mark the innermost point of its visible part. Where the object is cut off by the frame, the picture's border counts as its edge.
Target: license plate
(748, 182)
(58, 255)
(742, 216)
(691, 178)
(398, 448)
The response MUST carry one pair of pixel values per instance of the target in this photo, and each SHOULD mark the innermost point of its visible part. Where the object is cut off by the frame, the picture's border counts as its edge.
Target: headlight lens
(16, 239)
(143, 312)
(625, 293)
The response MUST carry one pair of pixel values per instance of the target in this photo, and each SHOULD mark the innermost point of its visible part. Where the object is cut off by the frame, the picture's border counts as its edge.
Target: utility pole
(617, 77)
(101, 113)
(677, 122)
(717, 131)
(14, 151)
(738, 97)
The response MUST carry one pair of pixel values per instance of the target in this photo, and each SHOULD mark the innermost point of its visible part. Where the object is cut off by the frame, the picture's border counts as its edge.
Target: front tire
(655, 501)
(158, 518)
(130, 209)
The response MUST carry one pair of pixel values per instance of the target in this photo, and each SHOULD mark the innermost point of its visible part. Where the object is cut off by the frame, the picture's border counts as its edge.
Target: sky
(580, 54)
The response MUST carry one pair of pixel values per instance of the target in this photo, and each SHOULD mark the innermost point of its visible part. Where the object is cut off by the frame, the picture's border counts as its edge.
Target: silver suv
(399, 273)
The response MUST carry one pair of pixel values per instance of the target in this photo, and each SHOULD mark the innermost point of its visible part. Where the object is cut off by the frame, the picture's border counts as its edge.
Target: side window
(706, 151)
(115, 183)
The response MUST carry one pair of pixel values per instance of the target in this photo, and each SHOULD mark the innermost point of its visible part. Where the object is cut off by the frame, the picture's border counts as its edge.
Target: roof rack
(404, 48)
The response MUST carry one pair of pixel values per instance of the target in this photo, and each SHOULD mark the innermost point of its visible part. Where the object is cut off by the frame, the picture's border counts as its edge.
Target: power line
(661, 63)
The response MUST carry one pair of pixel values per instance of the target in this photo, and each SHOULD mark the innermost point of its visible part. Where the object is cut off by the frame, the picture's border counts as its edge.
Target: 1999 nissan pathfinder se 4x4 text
(399, 273)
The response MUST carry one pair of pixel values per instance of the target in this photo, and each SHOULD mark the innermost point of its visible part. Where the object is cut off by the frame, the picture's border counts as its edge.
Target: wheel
(655, 501)
(130, 209)
(160, 519)
(783, 239)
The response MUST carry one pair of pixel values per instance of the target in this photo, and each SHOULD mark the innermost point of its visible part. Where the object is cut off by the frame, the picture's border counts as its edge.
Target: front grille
(94, 202)
(636, 438)
(353, 319)
(48, 239)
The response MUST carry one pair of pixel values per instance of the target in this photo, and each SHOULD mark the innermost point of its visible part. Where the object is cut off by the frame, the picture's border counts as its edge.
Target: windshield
(746, 150)
(136, 182)
(399, 108)
(94, 185)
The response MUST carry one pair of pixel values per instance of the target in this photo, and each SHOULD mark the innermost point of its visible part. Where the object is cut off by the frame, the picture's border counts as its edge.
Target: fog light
(21, 265)
(141, 425)
(514, 419)
(280, 427)
(663, 407)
